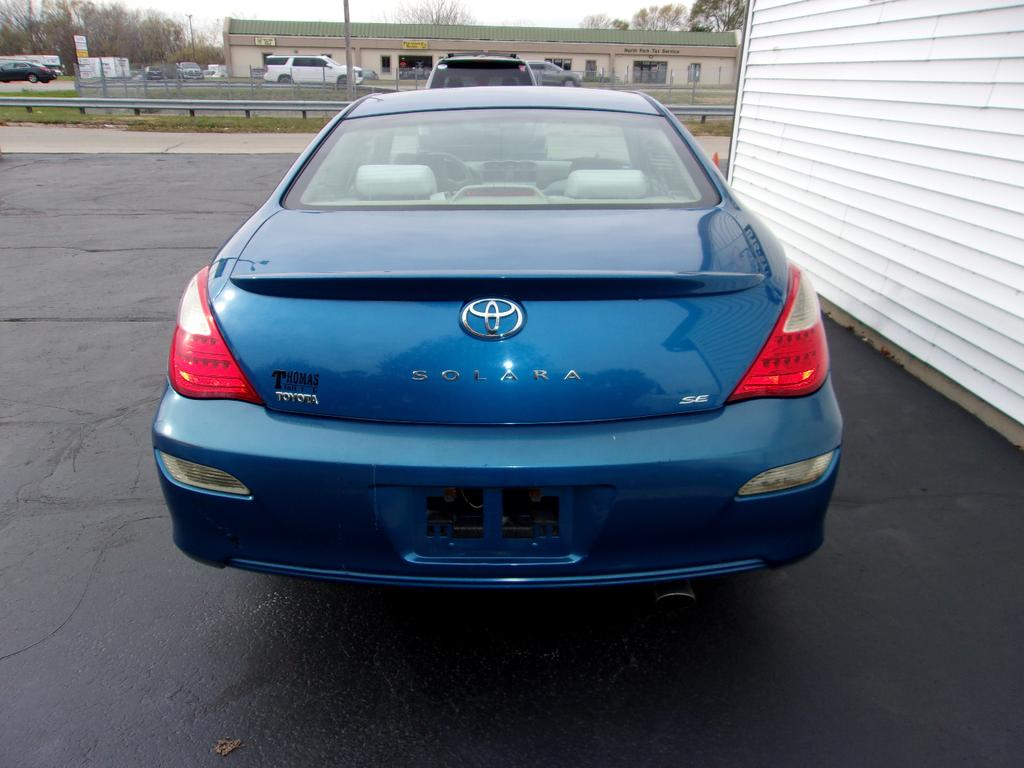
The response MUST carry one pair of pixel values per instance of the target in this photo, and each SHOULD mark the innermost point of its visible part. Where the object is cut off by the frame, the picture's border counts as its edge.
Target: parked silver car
(189, 70)
(552, 74)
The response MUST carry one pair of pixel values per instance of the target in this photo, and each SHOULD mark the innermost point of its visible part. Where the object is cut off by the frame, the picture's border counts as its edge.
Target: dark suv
(466, 70)
(161, 72)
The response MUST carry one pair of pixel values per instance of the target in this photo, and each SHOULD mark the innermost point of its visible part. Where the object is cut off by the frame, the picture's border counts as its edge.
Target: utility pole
(350, 79)
(191, 36)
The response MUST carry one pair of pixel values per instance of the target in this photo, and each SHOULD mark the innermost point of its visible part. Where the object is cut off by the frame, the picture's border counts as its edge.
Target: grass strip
(226, 123)
(38, 94)
(166, 123)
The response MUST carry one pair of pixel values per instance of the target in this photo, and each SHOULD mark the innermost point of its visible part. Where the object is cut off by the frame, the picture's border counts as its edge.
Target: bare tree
(717, 15)
(433, 12)
(669, 17)
(603, 21)
(141, 36)
(18, 26)
(596, 21)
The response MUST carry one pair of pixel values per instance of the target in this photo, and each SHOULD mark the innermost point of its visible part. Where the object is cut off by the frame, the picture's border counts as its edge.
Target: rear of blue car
(501, 338)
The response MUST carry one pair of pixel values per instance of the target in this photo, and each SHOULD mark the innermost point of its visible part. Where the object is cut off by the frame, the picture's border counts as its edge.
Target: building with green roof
(404, 50)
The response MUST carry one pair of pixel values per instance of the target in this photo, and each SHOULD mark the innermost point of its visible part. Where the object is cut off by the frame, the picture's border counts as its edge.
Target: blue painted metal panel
(659, 494)
(635, 354)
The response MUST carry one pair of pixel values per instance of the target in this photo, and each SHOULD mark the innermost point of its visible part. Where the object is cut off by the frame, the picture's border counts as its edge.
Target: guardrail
(179, 105)
(703, 112)
(256, 105)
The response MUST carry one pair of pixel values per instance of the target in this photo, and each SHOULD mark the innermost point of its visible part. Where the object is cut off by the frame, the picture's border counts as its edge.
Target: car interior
(499, 161)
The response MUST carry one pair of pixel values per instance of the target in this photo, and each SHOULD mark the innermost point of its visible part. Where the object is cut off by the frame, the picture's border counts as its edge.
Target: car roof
(508, 97)
(479, 57)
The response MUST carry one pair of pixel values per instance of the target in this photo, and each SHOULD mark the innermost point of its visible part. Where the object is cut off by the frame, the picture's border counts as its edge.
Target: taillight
(200, 364)
(794, 360)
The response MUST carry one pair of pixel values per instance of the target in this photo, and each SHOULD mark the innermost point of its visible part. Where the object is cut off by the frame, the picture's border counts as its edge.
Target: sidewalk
(59, 139)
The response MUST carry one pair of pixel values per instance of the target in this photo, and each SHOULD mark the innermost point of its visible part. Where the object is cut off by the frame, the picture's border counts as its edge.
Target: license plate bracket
(492, 522)
(527, 513)
(538, 524)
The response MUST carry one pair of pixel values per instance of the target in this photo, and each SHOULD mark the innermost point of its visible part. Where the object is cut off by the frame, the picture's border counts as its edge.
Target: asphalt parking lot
(899, 643)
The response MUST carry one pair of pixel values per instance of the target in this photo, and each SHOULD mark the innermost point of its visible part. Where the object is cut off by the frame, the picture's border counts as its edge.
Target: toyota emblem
(492, 319)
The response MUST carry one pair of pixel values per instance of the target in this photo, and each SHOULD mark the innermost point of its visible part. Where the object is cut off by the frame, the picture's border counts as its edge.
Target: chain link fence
(166, 81)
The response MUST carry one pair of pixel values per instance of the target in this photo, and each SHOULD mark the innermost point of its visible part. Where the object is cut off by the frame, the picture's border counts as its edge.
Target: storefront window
(565, 64)
(385, 65)
(415, 66)
(650, 71)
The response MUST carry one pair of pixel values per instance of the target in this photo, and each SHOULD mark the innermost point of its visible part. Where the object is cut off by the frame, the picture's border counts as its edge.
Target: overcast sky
(541, 13)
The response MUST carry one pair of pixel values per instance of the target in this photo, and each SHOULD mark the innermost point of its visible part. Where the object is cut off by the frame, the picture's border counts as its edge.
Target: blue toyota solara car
(495, 337)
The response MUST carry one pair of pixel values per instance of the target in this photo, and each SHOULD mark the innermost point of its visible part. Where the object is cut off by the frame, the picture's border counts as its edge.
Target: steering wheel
(455, 172)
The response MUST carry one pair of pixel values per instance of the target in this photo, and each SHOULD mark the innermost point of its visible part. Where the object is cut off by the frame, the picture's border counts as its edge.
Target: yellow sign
(271, 41)
(415, 44)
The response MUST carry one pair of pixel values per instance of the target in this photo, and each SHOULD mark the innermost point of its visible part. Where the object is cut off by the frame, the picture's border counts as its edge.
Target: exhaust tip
(674, 594)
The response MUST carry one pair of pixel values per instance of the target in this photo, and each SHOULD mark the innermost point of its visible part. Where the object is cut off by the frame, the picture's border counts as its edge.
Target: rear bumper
(642, 501)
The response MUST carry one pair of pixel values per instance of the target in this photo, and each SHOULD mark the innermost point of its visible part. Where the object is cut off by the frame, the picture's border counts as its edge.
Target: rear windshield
(503, 157)
(464, 74)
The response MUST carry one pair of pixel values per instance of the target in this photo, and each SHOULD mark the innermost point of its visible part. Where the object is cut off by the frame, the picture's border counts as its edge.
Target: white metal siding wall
(883, 141)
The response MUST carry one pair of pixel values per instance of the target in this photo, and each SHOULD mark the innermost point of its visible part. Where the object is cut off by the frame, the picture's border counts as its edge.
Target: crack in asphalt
(64, 503)
(23, 164)
(74, 445)
(107, 250)
(35, 213)
(56, 319)
(75, 411)
(85, 589)
(925, 496)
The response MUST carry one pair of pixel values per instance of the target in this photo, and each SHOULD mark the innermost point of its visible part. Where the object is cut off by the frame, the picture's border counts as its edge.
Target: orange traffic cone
(714, 159)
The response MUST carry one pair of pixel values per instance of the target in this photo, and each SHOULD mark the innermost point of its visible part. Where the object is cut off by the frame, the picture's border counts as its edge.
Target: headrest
(395, 182)
(625, 184)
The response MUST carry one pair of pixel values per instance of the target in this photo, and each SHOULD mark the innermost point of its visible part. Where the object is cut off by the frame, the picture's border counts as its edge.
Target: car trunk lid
(626, 313)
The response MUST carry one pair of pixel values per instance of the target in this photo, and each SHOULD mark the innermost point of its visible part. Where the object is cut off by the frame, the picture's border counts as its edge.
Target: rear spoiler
(460, 285)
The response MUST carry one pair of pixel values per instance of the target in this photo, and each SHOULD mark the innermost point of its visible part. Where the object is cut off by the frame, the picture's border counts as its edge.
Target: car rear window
(503, 157)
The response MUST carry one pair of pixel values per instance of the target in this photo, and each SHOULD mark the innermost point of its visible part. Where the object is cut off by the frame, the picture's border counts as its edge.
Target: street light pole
(350, 80)
(191, 36)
